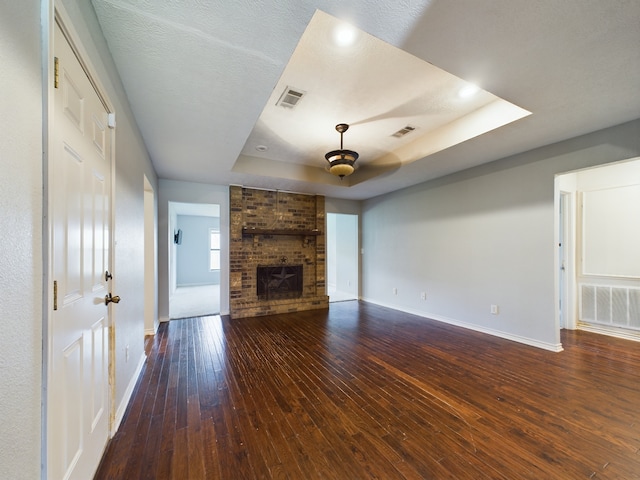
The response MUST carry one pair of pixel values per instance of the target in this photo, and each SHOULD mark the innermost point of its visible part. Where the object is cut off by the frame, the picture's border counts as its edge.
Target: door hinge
(55, 295)
(56, 75)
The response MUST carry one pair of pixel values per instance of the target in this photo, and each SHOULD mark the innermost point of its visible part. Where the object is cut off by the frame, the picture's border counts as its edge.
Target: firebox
(279, 281)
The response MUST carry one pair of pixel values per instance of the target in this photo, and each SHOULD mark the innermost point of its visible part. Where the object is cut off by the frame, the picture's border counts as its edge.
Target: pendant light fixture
(341, 162)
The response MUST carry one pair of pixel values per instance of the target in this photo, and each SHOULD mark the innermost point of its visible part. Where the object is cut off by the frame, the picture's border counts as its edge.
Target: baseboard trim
(477, 328)
(163, 319)
(122, 408)
(612, 332)
(152, 330)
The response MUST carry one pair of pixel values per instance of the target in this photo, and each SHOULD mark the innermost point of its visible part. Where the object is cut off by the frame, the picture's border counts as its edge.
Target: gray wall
(188, 192)
(193, 254)
(21, 244)
(481, 237)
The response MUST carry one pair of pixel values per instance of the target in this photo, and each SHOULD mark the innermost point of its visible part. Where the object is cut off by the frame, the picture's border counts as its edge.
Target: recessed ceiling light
(344, 35)
(468, 91)
(262, 148)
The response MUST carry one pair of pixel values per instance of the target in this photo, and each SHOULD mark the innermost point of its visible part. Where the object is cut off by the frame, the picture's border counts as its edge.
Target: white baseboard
(163, 319)
(477, 328)
(611, 331)
(153, 330)
(122, 408)
(206, 284)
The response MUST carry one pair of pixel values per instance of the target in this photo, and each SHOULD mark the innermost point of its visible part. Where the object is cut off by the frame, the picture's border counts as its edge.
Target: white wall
(481, 237)
(21, 204)
(150, 259)
(347, 254)
(21, 244)
(611, 233)
(21, 201)
(187, 192)
(342, 254)
(331, 238)
(346, 207)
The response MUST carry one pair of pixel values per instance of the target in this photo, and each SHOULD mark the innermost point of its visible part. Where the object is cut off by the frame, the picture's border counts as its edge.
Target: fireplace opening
(279, 281)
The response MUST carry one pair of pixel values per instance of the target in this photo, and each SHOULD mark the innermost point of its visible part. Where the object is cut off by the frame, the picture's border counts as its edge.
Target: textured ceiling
(200, 75)
(377, 89)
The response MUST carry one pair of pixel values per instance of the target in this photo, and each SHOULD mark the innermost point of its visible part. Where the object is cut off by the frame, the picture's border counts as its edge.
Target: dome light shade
(341, 162)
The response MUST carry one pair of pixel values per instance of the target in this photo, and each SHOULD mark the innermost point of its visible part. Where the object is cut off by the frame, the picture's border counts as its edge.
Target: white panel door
(78, 401)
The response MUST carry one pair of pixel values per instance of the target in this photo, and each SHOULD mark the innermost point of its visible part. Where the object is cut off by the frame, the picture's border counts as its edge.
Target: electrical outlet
(395, 291)
(494, 309)
(423, 295)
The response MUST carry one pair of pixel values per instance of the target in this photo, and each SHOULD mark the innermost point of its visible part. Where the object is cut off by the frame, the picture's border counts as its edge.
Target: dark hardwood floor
(362, 391)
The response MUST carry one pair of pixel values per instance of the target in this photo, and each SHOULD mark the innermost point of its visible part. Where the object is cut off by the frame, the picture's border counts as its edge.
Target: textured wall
(21, 245)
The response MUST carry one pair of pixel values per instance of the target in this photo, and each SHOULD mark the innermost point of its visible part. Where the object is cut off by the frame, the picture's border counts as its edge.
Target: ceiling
(203, 79)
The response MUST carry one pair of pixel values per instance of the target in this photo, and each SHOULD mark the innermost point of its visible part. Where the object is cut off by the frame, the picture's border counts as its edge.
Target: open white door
(80, 196)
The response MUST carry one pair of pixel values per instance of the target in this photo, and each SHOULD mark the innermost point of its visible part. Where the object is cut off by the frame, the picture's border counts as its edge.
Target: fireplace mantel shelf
(276, 231)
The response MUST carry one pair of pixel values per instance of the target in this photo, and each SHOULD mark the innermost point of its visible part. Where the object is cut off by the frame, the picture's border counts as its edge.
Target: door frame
(174, 209)
(564, 291)
(565, 259)
(52, 12)
(150, 260)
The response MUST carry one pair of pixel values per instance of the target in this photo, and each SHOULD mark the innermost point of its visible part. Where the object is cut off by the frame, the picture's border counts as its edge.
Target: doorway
(194, 259)
(599, 287)
(342, 257)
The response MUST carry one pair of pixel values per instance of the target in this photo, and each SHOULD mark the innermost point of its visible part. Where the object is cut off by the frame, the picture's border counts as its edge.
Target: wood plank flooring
(361, 391)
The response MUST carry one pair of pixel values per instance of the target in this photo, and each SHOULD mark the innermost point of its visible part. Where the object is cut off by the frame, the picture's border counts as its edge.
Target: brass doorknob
(109, 298)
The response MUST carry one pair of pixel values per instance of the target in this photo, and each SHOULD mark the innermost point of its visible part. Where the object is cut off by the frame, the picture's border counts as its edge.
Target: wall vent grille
(290, 97)
(403, 131)
(607, 305)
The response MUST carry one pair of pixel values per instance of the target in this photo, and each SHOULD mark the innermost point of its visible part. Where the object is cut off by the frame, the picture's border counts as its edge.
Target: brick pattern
(266, 209)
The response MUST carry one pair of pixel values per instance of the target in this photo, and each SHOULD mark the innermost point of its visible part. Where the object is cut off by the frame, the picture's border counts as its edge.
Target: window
(214, 249)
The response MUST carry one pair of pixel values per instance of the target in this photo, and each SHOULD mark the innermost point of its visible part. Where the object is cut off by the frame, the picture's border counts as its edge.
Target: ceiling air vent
(290, 97)
(403, 131)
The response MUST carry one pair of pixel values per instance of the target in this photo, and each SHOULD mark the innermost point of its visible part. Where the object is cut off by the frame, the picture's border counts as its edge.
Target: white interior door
(80, 166)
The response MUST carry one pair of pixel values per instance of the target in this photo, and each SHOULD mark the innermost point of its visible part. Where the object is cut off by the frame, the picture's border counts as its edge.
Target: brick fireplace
(276, 252)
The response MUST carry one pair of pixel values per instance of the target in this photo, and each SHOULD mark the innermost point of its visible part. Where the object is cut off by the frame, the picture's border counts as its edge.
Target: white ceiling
(202, 78)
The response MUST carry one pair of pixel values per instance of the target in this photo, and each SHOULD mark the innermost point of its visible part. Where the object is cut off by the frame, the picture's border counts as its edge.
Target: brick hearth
(275, 228)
